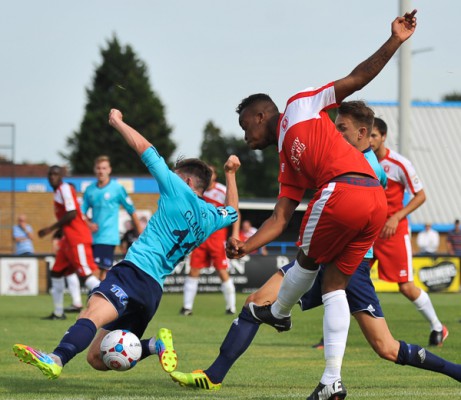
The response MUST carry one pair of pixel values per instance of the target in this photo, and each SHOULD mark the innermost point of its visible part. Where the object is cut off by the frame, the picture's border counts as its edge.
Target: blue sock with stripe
(419, 357)
(239, 337)
(77, 338)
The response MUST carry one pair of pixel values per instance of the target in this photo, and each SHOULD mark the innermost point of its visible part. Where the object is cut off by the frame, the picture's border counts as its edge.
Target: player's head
(355, 122)
(102, 168)
(258, 117)
(378, 134)
(195, 173)
(55, 176)
(246, 225)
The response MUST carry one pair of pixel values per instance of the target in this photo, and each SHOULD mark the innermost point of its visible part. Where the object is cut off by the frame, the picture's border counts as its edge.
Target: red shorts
(74, 258)
(394, 256)
(212, 252)
(342, 221)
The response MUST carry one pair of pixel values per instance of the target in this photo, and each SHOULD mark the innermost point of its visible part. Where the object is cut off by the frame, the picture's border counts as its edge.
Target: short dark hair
(56, 168)
(359, 111)
(253, 99)
(380, 125)
(196, 168)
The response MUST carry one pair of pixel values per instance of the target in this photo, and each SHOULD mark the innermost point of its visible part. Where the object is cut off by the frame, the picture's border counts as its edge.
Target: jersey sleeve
(126, 201)
(68, 199)
(411, 180)
(225, 216)
(166, 179)
(85, 202)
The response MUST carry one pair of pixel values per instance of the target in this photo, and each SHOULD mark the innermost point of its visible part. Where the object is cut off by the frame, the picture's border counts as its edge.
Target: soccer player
(334, 231)
(211, 252)
(355, 122)
(130, 295)
(393, 247)
(74, 253)
(104, 197)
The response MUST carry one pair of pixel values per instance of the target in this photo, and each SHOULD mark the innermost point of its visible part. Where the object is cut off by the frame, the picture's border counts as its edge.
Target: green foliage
(121, 81)
(258, 174)
(275, 366)
(455, 96)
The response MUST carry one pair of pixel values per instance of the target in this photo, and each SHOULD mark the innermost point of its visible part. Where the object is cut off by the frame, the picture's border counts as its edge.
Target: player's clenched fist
(232, 164)
(115, 116)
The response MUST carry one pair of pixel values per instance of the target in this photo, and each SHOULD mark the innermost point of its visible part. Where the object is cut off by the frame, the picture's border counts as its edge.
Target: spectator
(428, 241)
(131, 234)
(247, 230)
(23, 236)
(454, 240)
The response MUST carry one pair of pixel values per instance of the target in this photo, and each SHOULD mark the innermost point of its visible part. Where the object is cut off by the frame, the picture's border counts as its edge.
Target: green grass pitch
(276, 366)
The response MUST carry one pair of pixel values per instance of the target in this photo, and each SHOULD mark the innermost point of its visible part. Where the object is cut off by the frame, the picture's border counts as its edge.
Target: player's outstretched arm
(134, 139)
(269, 230)
(230, 169)
(365, 72)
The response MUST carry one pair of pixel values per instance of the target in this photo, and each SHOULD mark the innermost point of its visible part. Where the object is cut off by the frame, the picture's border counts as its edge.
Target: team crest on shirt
(106, 196)
(297, 150)
(285, 123)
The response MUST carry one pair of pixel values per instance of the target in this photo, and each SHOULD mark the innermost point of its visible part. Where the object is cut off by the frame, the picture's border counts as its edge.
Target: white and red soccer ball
(120, 350)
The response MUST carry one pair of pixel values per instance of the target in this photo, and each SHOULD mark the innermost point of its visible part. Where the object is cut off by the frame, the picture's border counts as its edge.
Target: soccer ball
(120, 350)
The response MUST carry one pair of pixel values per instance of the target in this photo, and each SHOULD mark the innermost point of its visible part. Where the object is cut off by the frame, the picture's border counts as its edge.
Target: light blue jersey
(379, 171)
(105, 203)
(181, 223)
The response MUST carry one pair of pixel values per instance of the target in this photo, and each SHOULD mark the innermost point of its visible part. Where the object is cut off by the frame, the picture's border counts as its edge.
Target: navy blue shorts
(134, 294)
(103, 255)
(360, 292)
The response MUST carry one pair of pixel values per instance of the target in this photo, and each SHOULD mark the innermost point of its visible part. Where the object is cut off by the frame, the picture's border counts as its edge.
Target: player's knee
(385, 350)
(94, 359)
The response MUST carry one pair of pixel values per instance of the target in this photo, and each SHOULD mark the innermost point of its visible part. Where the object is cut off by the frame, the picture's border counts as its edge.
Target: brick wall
(39, 210)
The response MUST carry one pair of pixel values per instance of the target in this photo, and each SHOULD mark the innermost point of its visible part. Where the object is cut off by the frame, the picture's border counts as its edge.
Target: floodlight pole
(404, 138)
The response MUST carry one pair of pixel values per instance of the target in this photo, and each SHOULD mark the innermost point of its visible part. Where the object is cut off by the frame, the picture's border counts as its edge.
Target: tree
(257, 176)
(455, 96)
(121, 82)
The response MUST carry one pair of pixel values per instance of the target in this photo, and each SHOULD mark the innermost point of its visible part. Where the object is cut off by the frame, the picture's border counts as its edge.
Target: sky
(203, 57)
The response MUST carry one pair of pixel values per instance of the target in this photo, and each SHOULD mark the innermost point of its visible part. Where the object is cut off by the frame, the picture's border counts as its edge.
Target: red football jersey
(65, 199)
(311, 151)
(401, 177)
(216, 194)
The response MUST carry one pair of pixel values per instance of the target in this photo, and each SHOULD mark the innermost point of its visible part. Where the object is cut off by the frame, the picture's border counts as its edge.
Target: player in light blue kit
(129, 296)
(104, 197)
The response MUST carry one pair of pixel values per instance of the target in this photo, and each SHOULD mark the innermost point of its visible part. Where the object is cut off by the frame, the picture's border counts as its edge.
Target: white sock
(152, 348)
(190, 290)
(424, 306)
(91, 282)
(228, 290)
(57, 292)
(336, 321)
(73, 283)
(296, 282)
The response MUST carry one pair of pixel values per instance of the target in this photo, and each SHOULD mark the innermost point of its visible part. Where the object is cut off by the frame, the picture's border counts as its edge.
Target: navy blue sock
(145, 349)
(77, 338)
(239, 337)
(416, 356)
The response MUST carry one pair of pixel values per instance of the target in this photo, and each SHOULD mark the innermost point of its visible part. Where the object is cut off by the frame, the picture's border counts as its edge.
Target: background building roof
(435, 151)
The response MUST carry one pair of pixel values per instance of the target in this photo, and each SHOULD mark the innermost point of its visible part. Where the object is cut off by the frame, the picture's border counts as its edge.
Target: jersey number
(179, 244)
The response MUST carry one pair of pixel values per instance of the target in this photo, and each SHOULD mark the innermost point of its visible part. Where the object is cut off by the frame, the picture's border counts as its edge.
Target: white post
(404, 134)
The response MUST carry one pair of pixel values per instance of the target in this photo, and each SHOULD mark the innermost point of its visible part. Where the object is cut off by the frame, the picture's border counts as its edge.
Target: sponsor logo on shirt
(223, 212)
(297, 150)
